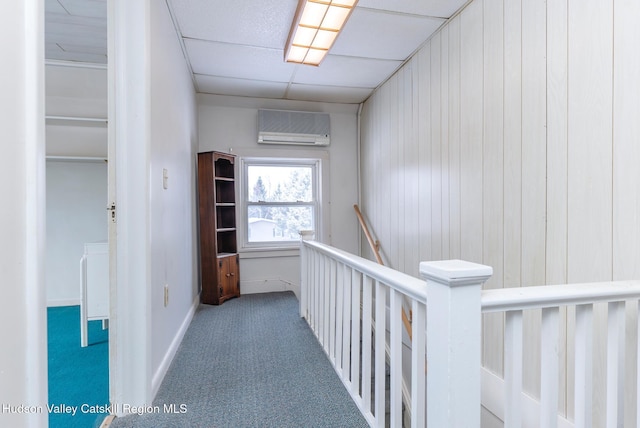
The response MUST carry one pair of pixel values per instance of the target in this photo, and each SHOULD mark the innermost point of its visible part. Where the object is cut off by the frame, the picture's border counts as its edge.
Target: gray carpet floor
(251, 362)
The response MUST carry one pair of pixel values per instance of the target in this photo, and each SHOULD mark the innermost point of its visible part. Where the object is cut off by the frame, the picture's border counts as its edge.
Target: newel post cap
(307, 235)
(455, 272)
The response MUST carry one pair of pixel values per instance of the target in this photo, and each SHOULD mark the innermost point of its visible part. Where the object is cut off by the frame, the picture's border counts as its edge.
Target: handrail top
(547, 296)
(413, 287)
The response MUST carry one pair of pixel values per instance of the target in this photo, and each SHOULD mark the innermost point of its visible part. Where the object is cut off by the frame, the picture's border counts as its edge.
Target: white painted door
(111, 205)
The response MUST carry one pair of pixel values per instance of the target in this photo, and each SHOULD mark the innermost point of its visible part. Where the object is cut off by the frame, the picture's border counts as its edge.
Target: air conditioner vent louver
(293, 127)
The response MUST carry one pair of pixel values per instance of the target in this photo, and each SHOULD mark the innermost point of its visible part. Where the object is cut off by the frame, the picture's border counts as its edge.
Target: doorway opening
(77, 177)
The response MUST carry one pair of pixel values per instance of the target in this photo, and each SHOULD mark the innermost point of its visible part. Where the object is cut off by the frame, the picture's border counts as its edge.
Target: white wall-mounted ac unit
(293, 127)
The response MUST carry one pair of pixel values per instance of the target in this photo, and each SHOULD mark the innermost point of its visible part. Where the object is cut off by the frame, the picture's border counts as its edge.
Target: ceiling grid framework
(237, 48)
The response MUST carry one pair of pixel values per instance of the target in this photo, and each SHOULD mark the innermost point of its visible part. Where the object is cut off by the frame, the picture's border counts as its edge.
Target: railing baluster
(356, 278)
(339, 312)
(513, 369)
(583, 365)
(347, 320)
(549, 368)
(615, 364)
(309, 285)
(313, 293)
(332, 313)
(395, 357)
(327, 305)
(322, 288)
(367, 309)
(418, 369)
(379, 376)
(318, 296)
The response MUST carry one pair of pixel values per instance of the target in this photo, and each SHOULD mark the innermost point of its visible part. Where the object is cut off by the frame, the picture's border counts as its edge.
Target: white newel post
(453, 341)
(305, 235)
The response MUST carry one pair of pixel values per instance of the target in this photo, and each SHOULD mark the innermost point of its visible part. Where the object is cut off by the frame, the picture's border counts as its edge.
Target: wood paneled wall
(512, 138)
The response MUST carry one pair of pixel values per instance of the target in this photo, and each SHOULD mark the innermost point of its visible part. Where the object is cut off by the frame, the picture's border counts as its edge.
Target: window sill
(267, 252)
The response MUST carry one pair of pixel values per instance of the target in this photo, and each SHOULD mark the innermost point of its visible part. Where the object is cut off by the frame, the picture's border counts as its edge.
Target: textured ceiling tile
(435, 8)
(79, 38)
(75, 28)
(76, 21)
(52, 47)
(245, 22)
(375, 34)
(243, 62)
(347, 71)
(52, 6)
(331, 94)
(240, 87)
(77, 57)
(87, 48)
(88, 8)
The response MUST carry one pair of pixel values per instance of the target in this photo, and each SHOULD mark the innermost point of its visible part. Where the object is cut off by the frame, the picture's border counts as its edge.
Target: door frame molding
(129, 140)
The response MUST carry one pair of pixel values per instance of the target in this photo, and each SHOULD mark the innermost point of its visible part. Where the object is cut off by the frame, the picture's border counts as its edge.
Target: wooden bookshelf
(219, 261)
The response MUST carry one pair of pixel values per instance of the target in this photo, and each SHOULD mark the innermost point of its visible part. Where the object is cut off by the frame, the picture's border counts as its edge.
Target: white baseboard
(62, 302)
(173, 348)
(268, 286)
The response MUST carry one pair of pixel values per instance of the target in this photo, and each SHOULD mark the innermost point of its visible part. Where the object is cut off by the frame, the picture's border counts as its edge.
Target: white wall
(152, 126)
(510, 139)
(76, 214)
(23, 322)
(172, 211)
(230, 124)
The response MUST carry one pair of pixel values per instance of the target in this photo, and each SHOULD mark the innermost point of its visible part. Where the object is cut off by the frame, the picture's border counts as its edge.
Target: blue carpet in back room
(77, 376)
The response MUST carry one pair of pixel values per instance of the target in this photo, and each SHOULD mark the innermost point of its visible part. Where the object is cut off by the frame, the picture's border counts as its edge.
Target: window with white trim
(280, 198)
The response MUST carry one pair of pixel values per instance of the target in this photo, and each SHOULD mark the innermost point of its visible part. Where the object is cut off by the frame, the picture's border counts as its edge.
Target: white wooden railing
(610, 300)
(339, 289)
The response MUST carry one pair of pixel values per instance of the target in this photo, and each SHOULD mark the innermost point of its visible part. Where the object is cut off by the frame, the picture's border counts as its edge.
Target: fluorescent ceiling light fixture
(315, 29)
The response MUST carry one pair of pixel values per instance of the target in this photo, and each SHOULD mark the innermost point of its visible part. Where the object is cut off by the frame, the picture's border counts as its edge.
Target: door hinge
(112, 209)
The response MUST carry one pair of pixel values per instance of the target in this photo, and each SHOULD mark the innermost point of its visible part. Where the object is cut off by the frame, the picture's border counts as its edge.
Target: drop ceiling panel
(375, 34)
(243, 22)
(330, 94)
(242, 62)
(240, 87)
(88, 8)
(86, 39)
(76, 57)
(347, 71)
(80, 36)
(52, 6)
(52, 48)
(76, 38)
(236, 48)
(71, 25)
(87, 48)
(435, 8)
